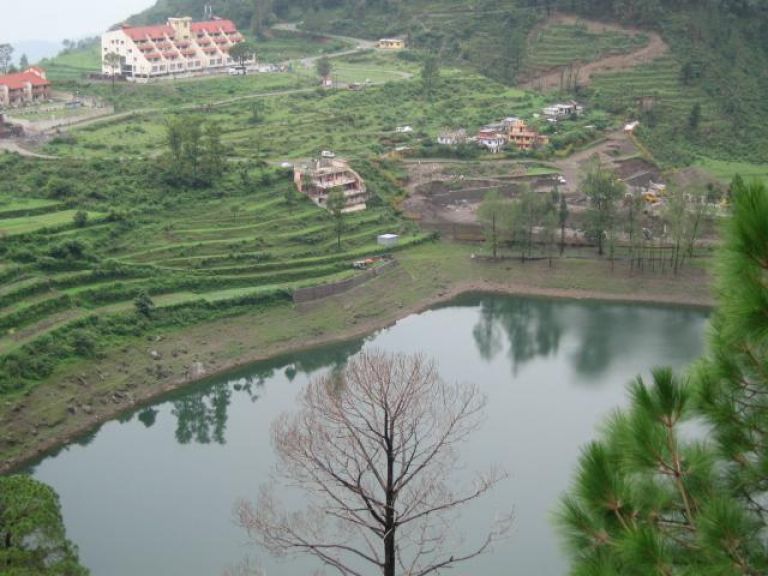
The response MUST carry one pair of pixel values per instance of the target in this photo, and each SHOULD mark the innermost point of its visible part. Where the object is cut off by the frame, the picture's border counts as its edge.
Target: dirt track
(551, 79)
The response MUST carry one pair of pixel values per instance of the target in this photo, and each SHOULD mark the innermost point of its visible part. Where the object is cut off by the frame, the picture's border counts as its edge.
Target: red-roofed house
(24, 87)
(176, 48)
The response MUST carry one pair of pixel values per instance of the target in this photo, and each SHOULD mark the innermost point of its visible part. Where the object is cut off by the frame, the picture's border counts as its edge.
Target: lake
(152, 493)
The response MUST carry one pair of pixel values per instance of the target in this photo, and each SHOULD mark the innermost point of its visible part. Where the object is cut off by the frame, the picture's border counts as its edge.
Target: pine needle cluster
(677, 483)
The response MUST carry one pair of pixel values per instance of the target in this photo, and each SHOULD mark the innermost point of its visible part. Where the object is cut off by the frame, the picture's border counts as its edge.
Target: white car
(236, 71)
(327, 154)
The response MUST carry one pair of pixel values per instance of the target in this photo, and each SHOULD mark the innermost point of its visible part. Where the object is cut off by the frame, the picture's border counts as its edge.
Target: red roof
(143, 32)
(213, 26)
(34, 76)
(138, 33)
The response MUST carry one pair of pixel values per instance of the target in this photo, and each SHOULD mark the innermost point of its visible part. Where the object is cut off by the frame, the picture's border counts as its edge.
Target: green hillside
(718, 61)
(68, 283)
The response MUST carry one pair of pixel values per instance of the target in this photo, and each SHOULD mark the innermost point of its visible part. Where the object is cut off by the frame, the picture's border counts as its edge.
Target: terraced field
(31, 223)
(212, 252)
(561, 44)
(657, 81)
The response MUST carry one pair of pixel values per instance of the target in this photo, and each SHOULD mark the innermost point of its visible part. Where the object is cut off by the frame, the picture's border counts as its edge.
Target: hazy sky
(59, 19)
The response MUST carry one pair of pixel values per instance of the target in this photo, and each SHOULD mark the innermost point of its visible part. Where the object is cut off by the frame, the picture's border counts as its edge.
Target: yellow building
(391, 44)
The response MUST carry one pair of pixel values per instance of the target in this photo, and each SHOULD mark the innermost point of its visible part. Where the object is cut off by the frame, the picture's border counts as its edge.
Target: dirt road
(13, 146)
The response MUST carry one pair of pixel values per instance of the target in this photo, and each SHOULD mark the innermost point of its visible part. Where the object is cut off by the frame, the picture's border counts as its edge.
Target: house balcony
(335, 182)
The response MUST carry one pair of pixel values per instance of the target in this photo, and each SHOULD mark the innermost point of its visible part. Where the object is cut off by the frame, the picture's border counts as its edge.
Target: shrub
(80, 218)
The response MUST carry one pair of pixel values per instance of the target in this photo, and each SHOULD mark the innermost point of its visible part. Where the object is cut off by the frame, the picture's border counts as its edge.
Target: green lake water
(152, 493)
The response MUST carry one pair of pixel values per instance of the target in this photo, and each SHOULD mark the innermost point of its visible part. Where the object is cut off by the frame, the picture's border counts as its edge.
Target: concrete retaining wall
(325, 290)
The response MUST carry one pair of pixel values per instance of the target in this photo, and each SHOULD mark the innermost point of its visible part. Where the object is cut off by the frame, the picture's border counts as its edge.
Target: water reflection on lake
(152, 492)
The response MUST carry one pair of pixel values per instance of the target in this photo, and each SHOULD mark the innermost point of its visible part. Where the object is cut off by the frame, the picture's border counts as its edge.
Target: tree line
(535, 224)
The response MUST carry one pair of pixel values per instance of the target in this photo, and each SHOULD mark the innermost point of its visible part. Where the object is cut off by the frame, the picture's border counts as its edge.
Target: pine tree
(603, 189)
(647, 499)
(493, 213)
(336, 204)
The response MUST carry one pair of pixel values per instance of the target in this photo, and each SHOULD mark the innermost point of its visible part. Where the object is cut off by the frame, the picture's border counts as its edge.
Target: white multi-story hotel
(178, 47)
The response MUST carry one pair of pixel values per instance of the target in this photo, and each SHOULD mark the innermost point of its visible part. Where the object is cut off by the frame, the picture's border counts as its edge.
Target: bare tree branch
(374, 447)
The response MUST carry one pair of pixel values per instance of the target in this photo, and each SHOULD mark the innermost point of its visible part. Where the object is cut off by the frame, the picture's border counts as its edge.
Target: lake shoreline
(81, 423)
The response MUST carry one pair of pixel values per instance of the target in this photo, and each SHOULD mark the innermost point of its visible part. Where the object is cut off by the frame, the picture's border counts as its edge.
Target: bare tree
(373, 447)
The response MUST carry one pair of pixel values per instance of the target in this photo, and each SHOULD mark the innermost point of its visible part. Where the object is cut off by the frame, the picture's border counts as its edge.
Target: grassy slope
(560, 44)
(727, 57)
(353, 124)
(207, 247)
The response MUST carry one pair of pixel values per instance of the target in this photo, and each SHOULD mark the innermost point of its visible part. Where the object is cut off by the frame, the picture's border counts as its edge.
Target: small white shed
(388, 240)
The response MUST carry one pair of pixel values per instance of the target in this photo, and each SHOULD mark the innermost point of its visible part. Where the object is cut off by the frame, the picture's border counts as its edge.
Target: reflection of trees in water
(487, 332)
(598, 337)
(608, 332)
(604, 333)
(533, 328)
(201, 416)
(148, 416)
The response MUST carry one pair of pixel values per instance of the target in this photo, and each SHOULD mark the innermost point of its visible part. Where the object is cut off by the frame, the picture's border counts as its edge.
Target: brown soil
(446, 192)
(550, 80)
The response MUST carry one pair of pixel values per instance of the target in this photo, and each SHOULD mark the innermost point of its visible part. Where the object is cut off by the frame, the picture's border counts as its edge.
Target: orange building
(523, 137)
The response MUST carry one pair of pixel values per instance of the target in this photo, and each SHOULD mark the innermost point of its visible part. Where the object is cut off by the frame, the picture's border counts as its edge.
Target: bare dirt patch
(450, 191)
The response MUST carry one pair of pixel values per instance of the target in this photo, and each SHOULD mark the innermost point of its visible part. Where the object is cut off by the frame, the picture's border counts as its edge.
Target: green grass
(11, 226)
(284, 45)
(725, 170)
(73, 65)
(17, 205)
